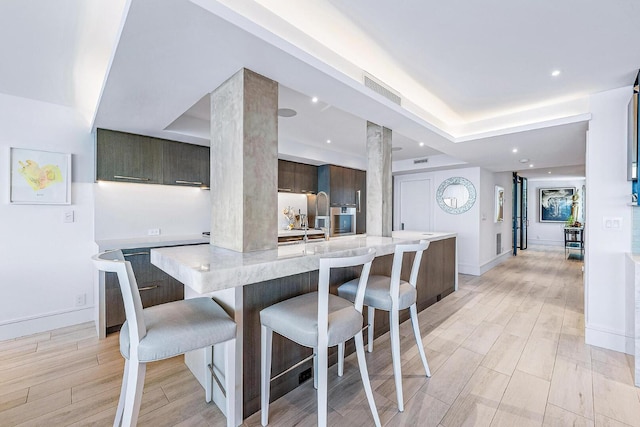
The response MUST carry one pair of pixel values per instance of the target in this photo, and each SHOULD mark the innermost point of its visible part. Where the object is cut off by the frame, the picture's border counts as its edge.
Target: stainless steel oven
(343, 220)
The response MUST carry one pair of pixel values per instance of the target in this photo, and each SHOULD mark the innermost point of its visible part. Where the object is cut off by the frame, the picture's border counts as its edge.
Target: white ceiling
(474, 76)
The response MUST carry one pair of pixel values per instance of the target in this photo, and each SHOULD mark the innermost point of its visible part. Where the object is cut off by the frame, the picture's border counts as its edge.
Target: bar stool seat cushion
(297, 319)
(178, 327)
(377, 293)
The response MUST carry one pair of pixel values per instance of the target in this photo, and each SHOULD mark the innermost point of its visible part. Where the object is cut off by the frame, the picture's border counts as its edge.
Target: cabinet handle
(136, 253)
(284, 189)
(358, 200)
(147, 288)
(133, 178)
(188, 182)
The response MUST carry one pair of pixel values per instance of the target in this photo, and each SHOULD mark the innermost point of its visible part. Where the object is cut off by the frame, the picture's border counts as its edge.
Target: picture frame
(555, 203)
(499, 204)
(39, 177)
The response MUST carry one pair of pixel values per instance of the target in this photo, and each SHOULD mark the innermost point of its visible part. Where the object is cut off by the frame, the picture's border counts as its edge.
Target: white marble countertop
(208, 268)
(151, 241)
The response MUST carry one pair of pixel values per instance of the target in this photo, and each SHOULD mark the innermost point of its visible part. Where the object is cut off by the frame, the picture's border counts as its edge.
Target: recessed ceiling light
(328, 141)
(549, 172)
(314, 99)
(515, 150)
(531, 165)
(555, 73)
(286, 112)
(421, 144)
(524, 160)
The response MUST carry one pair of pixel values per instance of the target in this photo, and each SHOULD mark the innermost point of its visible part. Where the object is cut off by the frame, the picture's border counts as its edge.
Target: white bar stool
(319, 320)
(165, 331)
(391, 294)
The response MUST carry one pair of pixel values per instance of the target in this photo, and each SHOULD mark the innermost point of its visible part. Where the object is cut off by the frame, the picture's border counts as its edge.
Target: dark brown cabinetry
(126, 157)
(438, 267)
(297, 177)
(185, 164)
(155, 287)
(339, 182)
(346, 187)
(361, 201)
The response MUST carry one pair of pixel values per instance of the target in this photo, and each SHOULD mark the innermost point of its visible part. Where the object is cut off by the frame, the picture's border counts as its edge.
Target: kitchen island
(245, 283)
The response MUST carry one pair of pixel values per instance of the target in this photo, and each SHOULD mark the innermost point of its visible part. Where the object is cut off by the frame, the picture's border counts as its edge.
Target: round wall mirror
(456, 195)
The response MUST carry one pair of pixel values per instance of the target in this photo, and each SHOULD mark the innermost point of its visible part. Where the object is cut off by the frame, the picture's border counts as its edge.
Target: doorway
(520, 220)
(415, 205)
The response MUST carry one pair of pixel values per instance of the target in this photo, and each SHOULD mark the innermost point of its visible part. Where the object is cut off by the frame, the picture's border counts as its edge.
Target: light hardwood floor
(507, 349)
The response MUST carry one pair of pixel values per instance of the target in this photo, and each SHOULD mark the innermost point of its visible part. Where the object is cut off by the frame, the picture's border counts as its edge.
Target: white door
(415, 205)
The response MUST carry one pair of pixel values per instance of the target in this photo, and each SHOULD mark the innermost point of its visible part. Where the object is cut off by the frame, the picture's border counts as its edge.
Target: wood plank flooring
(507, 349)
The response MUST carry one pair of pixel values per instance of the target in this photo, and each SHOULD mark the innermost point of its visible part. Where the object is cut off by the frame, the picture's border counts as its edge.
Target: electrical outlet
(153, 232)
(69, 216)
(81, 299)
(304, 375)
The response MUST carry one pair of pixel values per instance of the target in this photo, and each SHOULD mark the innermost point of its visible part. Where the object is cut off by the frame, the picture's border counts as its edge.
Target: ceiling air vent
(381, 89)
(417, 161)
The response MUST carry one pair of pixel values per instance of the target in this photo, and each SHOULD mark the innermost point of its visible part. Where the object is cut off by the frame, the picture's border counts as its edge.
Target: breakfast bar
(245, 283)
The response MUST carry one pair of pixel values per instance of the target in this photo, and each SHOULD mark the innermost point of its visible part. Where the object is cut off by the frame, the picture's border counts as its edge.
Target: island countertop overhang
(208, 268)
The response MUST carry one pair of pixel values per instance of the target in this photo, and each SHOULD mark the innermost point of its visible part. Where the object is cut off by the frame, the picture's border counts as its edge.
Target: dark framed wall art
(555, 204)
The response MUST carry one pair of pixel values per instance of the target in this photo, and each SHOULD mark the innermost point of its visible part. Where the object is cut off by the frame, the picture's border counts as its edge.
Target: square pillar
(379, 181)
(244, 163)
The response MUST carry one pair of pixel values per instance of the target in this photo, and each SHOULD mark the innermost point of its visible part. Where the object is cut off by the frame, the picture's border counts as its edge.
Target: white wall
(466, 224)
(489, 229)
(608, 193)
(548, 233)
(126, 210)
(45, 263)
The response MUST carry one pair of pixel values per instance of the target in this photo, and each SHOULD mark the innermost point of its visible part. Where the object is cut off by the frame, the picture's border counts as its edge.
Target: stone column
(244, 163)
(379, 191)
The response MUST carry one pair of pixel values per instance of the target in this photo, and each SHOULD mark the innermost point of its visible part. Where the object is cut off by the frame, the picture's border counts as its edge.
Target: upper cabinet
(361, 201)
(125, 157)
(185, 164)
(297, 177)
(340, 183)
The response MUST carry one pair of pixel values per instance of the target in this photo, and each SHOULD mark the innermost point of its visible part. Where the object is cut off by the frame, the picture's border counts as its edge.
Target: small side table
(573, 240)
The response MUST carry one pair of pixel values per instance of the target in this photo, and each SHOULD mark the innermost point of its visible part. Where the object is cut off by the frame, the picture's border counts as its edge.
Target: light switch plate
(153, 232)
(612, 223)
(69, 216)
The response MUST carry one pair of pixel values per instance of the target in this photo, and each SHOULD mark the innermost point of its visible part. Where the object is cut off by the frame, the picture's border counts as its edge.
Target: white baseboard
(499, 259)
(16, 328)
(542, 242)
(612, 340)
(472, 270)
(479, 270)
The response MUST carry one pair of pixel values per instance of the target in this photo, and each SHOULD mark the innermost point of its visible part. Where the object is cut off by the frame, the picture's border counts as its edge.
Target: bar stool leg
(208, 379)
(364, 373)
(371, 314)
(135, 385)
(315, 368)
(117, 422)
(230, 381)
(265, 365)
(340, 359)
(416, 332)
(395, 354)
(322, 356)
